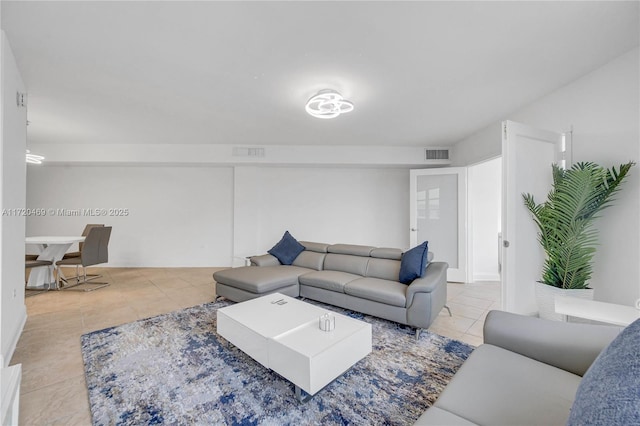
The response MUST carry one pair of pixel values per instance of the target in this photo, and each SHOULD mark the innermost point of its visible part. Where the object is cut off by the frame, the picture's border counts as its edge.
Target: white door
(438, 214)
(527, 156)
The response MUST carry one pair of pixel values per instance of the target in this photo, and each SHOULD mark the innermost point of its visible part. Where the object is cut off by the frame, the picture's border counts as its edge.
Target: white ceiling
(419, 73)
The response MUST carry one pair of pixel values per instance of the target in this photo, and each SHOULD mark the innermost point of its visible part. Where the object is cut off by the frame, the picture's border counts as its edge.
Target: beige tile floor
(53, 389)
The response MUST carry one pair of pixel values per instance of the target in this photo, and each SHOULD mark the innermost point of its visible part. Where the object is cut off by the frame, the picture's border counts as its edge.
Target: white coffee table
(282, 334)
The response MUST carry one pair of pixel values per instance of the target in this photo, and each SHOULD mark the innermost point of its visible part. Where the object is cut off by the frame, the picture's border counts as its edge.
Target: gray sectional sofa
(360, 278)
(529, 370)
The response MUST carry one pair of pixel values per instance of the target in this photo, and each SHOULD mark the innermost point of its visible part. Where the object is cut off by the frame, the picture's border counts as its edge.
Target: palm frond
(565, 220)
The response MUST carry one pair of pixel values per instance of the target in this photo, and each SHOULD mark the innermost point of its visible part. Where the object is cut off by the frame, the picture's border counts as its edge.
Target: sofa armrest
(427, 295)
(570, 346)
(435, 275)
(264, 260)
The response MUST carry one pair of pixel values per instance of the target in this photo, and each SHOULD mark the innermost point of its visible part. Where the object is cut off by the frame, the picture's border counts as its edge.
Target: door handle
(505, 243)
(414, 229)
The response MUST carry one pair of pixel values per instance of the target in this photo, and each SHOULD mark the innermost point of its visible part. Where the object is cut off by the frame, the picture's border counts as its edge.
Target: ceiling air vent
(248, 152)
(436, 154)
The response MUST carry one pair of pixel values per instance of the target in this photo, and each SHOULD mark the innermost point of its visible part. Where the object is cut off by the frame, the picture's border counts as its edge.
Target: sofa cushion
(378, 290)
(497, 386)
(346, 263)
(385, 269)
(608, 393)
(413, 263)
(310, 259)
(260, 279)
(351, 249)
(317, 247)
(264, 260)
(287, 249)
(386, 253)
(329, 280)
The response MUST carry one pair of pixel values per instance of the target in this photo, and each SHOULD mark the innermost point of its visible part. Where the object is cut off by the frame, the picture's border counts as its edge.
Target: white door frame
(453, 274)
(471, 218)
(522, 256)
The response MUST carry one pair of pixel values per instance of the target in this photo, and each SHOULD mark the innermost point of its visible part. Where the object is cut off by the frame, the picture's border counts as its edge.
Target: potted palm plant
(566, 229)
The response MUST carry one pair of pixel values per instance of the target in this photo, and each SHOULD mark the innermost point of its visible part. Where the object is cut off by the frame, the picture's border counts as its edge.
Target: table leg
(43, 278)
(299, 395)
(303, 396)
(39, 277)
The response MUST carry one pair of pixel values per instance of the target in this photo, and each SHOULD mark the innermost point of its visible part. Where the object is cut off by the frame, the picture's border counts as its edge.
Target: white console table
(610, 313)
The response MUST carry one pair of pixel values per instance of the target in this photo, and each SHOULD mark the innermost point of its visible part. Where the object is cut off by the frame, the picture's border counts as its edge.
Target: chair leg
(93, 285)
(89, 277)
(418, 331)
(64, 282)
(59, 278)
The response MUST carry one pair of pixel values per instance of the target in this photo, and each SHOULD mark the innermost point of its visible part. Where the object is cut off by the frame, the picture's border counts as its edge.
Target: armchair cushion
(608, 393)
(499, 387)
(413, 263)
(287, 249)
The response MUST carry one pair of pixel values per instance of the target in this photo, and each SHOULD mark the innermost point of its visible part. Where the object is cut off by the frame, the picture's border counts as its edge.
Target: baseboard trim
(8, 353)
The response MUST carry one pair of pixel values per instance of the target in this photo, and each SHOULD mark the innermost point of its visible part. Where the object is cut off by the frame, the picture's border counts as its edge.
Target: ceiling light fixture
(34, 158)
(328, 104)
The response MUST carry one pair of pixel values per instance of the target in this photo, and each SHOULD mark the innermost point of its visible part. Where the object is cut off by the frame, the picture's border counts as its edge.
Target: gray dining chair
(95, 251)
(85, 232)
(71, 254)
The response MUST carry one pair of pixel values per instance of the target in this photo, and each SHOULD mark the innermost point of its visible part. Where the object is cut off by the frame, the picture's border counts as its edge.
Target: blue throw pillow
(413, 263)
(609, 393)
(287, 249)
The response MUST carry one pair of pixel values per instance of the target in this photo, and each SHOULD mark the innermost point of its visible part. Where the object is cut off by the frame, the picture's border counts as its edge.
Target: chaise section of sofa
(266, 275)
(240, 284)
(356, 277)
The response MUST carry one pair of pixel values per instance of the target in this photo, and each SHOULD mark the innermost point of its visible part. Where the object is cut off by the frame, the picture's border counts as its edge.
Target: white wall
(12, 196)
(206, 216)
(485, 199)
(178, 216)
(604, 109)
(482, 145)
(325, 204)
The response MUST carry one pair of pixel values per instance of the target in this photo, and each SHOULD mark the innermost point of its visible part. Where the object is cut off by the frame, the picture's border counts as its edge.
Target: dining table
(51, 248)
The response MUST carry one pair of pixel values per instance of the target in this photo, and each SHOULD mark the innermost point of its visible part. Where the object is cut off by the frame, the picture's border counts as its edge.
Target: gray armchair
(527, 372)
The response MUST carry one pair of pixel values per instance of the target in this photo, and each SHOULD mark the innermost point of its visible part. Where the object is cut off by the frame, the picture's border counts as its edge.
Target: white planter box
(545, 298)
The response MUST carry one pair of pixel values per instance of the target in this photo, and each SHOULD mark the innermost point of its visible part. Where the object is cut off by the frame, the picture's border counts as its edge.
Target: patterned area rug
(174, 369)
